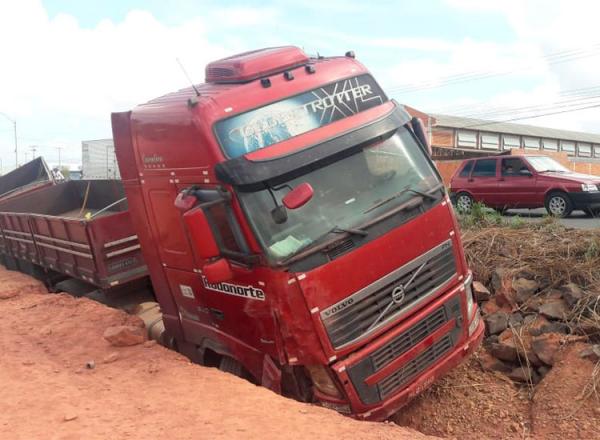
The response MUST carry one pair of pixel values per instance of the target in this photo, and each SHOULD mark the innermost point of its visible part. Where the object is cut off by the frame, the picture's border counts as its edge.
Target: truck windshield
(544, 163)
(348, 194)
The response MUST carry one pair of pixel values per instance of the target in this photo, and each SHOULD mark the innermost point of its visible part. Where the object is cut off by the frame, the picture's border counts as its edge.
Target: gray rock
(480, 292)
(524, 289)
(496, 323)
(592, 353)
(522, 374)
(515, 319)
(554, 309)
(504, 352)
(571, 293)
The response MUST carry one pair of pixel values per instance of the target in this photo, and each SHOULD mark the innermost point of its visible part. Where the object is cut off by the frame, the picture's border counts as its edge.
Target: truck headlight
(469, 295)
(589, 187)
(322, 380)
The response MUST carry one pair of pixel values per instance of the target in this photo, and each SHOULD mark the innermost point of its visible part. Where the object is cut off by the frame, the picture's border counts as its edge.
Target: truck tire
(464, 202)
(232, 366)
(558, 204)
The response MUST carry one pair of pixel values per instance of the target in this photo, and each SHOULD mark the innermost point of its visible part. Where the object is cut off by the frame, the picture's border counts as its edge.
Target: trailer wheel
(232, 366)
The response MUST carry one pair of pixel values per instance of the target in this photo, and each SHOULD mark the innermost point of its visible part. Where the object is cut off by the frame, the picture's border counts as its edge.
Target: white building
(98, 160)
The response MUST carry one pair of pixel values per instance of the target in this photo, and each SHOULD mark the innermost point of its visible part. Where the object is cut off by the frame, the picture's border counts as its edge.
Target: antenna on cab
(188, 77)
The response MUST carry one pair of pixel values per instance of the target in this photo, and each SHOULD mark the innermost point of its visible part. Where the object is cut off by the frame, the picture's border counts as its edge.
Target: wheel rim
(557, 205)
(464, 203)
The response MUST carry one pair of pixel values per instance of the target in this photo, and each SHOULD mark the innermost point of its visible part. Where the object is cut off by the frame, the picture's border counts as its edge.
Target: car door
(516, 184)
(483, 182)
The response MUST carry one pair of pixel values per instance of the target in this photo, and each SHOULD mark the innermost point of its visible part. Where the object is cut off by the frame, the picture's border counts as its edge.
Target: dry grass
(550, 253)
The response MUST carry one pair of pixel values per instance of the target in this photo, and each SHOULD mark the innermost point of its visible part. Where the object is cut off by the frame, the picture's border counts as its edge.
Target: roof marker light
(310, 68)
(288, 75)
(350, 54)
(265, 82)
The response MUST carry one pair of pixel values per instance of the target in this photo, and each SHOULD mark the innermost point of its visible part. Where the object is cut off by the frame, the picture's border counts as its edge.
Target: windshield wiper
(334, 230)
(404, 191)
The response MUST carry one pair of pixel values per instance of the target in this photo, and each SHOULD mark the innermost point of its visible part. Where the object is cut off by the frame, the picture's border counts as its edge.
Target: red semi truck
(297, 232)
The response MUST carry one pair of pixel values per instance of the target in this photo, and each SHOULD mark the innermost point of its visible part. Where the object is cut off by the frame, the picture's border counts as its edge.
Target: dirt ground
(147, 391)
(141, 392)
(470, 403)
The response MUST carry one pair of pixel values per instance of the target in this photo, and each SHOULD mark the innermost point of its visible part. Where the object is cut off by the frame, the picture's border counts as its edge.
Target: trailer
(77, 229)
(29, 177)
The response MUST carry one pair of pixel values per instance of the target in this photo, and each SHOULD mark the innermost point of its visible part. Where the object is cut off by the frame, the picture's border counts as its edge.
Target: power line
(553, 58)
(487, 123)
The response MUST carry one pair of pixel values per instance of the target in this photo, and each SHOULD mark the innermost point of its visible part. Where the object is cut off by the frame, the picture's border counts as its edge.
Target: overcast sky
(67, 64)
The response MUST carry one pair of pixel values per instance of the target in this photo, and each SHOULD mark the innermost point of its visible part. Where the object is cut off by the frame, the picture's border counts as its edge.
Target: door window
(466, 169)
(513, 167)
(484, 168)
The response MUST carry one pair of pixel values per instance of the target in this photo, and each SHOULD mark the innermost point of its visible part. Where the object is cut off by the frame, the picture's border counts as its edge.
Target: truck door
(517, 184)
(483, 182)
(240, 308)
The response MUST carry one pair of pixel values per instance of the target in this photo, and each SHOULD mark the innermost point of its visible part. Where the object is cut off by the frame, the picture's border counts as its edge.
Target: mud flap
(271, 375)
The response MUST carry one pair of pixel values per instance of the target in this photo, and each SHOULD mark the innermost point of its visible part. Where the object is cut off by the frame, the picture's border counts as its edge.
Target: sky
(65, 65)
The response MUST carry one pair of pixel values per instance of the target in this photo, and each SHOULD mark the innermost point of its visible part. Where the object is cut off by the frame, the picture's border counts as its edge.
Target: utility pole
(14, 123)
(33, 150)
(59, 161)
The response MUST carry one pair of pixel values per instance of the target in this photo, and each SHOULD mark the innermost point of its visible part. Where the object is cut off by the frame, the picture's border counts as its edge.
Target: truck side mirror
(419, 130)
(218, 271)
(201, 234)
(299, 196)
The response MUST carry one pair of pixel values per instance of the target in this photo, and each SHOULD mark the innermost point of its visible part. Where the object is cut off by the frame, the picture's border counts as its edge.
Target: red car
(519, 181)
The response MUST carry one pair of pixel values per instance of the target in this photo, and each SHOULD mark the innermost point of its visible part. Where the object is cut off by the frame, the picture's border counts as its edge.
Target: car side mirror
(525, 173)
(218, 271)
(299, 196)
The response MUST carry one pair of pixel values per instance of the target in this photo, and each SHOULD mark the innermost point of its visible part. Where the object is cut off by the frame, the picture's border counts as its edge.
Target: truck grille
(400, 345)
(390, 296)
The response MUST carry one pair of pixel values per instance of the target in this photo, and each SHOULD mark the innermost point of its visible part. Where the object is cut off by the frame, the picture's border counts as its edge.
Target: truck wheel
(464, 202)
(232, 366)
(558, 204)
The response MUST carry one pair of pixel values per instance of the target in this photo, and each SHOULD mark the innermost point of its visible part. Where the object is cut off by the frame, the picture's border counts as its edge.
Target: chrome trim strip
(26, 234)
(65, 242)
(123, 251)
(68, 251)
(121, 241)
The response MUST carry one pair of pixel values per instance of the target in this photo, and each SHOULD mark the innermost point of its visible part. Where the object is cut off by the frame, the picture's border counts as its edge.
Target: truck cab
(296, 230)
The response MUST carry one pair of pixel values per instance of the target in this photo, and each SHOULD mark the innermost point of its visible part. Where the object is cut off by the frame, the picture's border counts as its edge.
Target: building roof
(512, 128)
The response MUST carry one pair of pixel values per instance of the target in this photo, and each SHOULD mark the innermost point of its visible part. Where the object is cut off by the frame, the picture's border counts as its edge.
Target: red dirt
(141, 392)
(471, 403)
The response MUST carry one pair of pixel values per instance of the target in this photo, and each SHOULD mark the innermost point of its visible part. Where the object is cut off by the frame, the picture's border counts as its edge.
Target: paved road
(577, 219)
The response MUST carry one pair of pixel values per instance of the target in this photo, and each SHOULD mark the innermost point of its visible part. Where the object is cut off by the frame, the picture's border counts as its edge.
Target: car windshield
(348, 193)
(544, 163)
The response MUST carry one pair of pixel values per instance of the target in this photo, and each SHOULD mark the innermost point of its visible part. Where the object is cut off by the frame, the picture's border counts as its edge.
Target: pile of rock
(526, 323)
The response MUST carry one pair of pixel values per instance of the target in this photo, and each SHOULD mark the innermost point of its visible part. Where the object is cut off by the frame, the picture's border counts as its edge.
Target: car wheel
(558, 205)
(464, 202)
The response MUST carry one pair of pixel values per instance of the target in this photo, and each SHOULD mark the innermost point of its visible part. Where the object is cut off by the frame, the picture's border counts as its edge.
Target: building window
(585, 150)
(550, 144)
(568, 147)
(596, 150)
(510, 142)
(467, 139)
(490, 141)
(531, 143)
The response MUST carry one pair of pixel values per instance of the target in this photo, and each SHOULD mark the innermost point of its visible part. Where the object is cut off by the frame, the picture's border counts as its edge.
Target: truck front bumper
(388, 373)
(585, 200)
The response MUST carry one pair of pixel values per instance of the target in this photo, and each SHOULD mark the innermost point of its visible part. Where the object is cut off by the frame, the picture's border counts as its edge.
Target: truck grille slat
(354, 317)
(400, 345)
(415, 366)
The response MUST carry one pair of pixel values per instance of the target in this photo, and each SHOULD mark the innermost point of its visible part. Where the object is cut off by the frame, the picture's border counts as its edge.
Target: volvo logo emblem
(398, 294)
